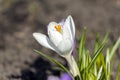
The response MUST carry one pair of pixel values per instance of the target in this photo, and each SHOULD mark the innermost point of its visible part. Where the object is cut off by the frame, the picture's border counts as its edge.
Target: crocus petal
(72, 26)
(65, 76)
(69, 28)
(65, 46)
(55, 37)
(43, 40)
(53, 78)
(66, 30)
(51, 26)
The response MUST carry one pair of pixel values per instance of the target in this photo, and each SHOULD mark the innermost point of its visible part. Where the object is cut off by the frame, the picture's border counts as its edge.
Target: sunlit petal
(55, 37)
(69, 28)
(72, 26)
(65, 46)
(51, 26)
(43, 40)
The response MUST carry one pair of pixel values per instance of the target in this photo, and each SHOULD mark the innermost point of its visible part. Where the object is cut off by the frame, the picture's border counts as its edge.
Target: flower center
(58, 28)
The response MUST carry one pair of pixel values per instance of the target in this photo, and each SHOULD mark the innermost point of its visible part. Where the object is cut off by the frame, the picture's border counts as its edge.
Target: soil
(20, 18)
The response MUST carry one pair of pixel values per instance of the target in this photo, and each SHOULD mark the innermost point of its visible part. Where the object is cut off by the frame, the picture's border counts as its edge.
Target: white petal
(43, 40)
(55, 37)
(66, 31)
(65, 46)
(69, 28)
(72, 26)
(51, 26)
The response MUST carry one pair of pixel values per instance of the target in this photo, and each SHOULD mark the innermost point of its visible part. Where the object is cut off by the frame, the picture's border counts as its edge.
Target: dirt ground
(20, 18)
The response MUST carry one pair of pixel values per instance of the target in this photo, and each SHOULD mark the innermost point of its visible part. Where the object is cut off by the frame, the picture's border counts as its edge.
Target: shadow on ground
(39, 70)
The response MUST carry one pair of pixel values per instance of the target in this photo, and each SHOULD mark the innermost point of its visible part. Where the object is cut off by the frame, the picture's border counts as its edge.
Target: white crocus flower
(61, 40)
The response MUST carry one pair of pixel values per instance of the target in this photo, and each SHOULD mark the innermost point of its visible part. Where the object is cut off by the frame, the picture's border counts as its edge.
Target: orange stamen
(58, 28)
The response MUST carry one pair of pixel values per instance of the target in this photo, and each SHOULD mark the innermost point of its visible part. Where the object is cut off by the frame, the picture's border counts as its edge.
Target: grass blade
(117, 44)
(53, 60)
(82, 43)
(118, 72)
(99, 73)
(95, 56)
(99, 50)
(96, 46)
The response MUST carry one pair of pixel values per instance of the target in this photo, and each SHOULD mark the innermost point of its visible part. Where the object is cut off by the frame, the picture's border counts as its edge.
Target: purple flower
(65, 76)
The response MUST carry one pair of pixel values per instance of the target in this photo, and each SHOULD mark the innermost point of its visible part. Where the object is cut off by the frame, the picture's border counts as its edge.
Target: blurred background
(20, 18)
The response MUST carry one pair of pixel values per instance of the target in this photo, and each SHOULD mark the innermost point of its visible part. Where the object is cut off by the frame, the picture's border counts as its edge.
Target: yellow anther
(58, 28)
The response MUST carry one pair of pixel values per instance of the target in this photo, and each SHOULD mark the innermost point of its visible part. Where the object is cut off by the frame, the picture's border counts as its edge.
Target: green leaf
(105, 38)
(77, 78)
(82, 43)
(118, 72)
(95, 56)
(91, 76)
(107, 69)
(97, 42)
(88, 58)
(117, 44)
(53, 60)
(57, 69)
(97, 53)
(100, 60)
(99, 73)
(81, 50)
